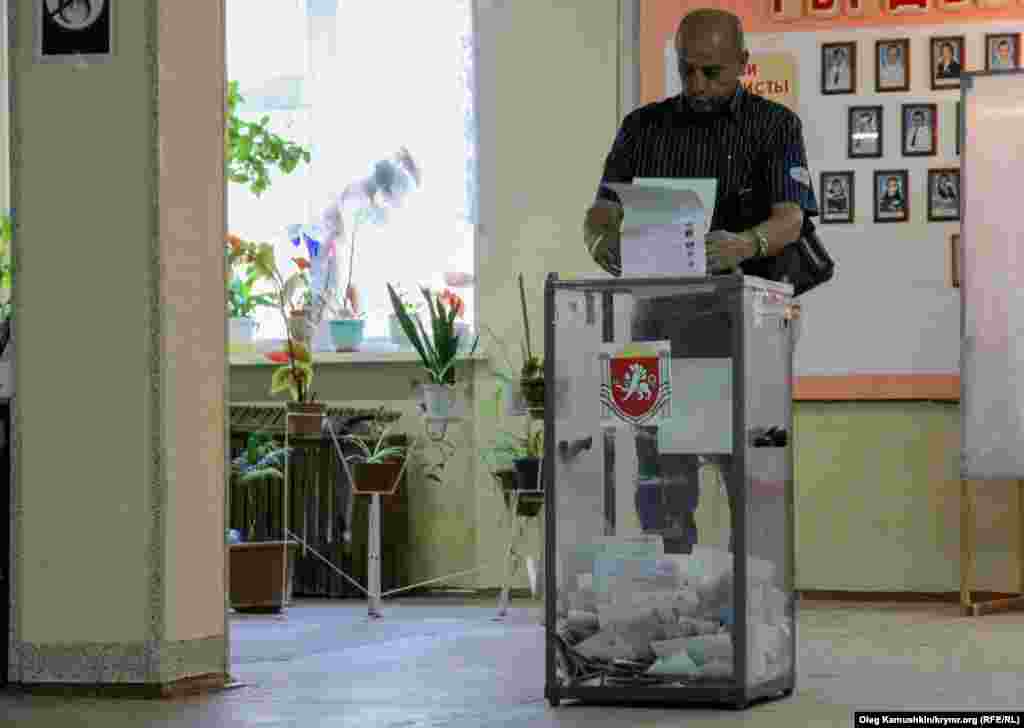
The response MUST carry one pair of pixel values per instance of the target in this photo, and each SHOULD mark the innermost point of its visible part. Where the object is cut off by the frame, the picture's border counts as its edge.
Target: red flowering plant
(287, 295)
(439, 349)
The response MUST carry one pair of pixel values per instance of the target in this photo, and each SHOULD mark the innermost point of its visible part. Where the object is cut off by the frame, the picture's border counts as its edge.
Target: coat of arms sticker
(636, 383)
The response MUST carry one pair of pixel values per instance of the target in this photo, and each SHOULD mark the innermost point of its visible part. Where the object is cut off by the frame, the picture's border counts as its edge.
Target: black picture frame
(993, 55)
(897, 210)
(861, 147)
(73, 32)
(944, 204)
(883, 82)
(910, 133)
(833, 211)
(940, 77)
(831, 55)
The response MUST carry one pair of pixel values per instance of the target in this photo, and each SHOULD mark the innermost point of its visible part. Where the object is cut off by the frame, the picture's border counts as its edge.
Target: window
(354, 81)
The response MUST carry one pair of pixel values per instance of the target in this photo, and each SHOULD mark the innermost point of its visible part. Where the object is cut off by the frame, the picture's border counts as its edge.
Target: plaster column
(117, 180)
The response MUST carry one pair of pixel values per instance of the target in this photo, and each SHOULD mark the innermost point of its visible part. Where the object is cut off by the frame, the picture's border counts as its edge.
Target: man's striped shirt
(754, 148)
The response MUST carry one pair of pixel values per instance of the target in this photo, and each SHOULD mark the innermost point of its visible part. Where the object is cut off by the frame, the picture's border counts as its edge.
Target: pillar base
(189, 686)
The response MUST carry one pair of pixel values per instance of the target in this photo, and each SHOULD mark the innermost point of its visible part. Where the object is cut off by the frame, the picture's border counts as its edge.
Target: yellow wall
(82, 188)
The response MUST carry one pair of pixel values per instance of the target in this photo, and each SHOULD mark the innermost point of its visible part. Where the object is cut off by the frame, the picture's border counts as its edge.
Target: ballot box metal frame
(740, 693)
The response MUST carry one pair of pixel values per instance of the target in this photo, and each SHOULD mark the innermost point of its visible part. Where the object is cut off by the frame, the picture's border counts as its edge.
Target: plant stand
(510, 551)
(374, 593)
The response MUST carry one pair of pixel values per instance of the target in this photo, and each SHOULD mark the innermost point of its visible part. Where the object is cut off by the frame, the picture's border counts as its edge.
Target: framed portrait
(943, 194)
(892, 65)
(1002, 51)
(892, 195)
(837, 197)
(954, 250)
(864, 132)
(948, 61)
(838, 68)
(73, 31)
(920, 130)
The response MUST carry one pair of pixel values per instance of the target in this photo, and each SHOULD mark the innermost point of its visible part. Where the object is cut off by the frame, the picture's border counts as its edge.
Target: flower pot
(259, 581)
(382, 478)
(529, 504)
(396, 333)
(438, 399)
(241, 331)
(347, 334)
(528, 473)
(533, 393)
(307, 418)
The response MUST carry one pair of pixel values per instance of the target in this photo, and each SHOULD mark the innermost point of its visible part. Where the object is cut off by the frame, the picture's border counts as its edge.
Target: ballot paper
(662, 231)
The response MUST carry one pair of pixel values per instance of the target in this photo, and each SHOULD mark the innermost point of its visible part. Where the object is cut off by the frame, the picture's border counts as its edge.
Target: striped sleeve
(787, 177)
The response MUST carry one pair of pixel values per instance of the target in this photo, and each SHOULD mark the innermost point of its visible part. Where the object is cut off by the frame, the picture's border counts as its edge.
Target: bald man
(755, 149)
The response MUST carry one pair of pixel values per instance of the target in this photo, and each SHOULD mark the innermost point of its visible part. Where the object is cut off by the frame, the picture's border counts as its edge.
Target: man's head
(892, 54)
(893, 185)
(712, 57)
(918, 118)
(947, 53)
(836, 186)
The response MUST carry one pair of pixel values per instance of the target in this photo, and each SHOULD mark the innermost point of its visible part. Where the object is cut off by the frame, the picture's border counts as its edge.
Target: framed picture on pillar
(73, 31)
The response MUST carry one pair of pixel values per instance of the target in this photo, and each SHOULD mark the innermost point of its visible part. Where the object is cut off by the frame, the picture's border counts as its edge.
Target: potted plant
(531, 379)
(242, 298)
(438, 350)
(290, 296)
(348, 323)
(376, 470)
(258, 580)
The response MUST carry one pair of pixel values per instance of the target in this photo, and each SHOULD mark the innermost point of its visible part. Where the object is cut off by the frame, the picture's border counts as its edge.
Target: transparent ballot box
(669, 490)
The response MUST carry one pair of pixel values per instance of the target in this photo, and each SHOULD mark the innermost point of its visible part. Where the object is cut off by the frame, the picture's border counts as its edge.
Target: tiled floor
(447, 664)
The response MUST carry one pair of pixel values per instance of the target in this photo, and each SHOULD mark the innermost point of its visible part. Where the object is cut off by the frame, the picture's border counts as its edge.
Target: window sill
(354, 358)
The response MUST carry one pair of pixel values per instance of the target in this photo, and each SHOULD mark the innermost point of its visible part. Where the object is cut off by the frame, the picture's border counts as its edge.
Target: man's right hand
(601, 235)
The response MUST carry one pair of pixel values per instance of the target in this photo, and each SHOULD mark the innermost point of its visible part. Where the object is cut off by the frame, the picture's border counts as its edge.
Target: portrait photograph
(943, 194)
(1002, 51)
(864, 131)
(947, 61)
(892, 65)
(892, 199)
(920, 130)
(954, 250)
(837, 197)
(838, 68)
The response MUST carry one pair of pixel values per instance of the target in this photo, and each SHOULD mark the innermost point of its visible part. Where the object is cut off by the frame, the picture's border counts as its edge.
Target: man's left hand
(727, 250)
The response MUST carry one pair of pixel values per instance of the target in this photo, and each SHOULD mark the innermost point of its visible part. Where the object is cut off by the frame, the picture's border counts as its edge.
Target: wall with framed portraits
(879, 107)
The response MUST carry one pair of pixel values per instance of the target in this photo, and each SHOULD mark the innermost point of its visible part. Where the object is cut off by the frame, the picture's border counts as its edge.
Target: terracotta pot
(307, 418)
(533, 393)
(258, 578)
(382, 478)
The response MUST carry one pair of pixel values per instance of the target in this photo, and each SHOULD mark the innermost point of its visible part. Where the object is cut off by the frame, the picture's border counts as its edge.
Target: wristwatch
(762, 243)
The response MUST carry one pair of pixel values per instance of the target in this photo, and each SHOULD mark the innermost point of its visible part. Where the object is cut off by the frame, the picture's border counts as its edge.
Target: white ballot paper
(663, 230)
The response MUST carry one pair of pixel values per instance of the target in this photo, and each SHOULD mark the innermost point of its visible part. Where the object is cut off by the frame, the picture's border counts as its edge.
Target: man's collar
(733, 110)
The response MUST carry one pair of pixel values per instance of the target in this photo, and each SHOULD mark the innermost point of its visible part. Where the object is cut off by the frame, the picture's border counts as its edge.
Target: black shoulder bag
(803, 263)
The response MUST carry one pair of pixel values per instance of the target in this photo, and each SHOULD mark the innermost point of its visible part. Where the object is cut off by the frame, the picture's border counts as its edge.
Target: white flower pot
(438, 399)
(241, 331)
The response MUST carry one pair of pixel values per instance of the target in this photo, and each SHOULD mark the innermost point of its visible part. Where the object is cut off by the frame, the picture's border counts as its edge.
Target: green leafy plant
(242, 298)
(252, 150)
(439, 350)
(532, 365)
(260, 462)
(379, 454)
